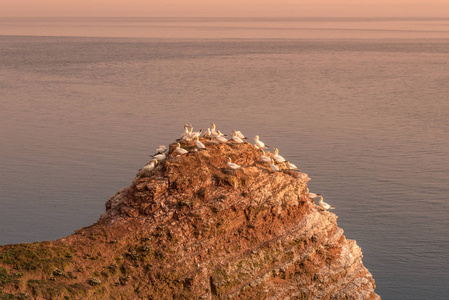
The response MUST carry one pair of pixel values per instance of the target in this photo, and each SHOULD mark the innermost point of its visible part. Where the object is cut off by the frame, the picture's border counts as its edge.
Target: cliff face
(194, 229)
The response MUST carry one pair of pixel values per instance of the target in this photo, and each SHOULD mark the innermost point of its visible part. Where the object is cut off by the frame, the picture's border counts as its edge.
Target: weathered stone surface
(193, 229)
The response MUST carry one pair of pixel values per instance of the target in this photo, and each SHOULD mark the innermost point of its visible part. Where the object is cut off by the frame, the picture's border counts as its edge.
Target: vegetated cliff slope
(194, 229)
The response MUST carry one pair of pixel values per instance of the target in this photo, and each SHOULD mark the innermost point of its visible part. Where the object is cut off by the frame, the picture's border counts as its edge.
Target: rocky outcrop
(194, 229)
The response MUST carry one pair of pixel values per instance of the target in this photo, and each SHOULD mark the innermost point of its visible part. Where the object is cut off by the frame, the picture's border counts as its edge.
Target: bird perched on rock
(324, 204)
(236, 138)
(273, 167)
(240, 135)
(198, 144)
(291, 166)
(216, 132)
(196, 133)
(232, 165)
(160, 156)
(189, 135)
(161, 149)
(277, 157)
(207, 133)
(181, 150)
(259, 144)
(310, 195)
(186, 132)
(220, 137)
(150, 166)
(265, 158)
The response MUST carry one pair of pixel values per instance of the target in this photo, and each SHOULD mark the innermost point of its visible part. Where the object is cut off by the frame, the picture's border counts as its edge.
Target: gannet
(220, 137)
(198, 144)
(265, 158)
(196, 133)
(188, 135)
(191, 134)
(277, 157)
(324, 204)
(219, 133)
(186, 132)
(292, 166)
(161, 149)
(150, 166)
(273, 167)
(213, 131)
(208, 133)
(181, 150)
(259, 144)
(236, 139)
(311, 195)
(240, 135)
(160, 157)
(233, 165)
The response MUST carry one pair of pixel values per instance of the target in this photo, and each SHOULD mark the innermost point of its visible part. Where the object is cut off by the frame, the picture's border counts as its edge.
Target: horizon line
(321, 18)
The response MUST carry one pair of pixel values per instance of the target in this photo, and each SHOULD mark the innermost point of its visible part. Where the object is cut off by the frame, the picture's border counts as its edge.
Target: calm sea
(362, 106)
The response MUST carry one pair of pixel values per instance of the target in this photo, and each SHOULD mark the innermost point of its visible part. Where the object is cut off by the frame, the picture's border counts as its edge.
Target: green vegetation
(7, 278)
(94, 281)
(8, 296)
(35, 256)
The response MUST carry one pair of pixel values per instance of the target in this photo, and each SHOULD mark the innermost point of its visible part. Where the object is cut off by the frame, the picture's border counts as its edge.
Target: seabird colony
(275, 161)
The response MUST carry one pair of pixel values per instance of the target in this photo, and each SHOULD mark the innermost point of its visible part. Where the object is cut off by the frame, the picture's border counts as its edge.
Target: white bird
(324, 204)
(196, 133)
(233, 165)
(311, 195)
(208, 133)
(240, 135)
(277, 157)
(291, 166)
(181, 150)
(219, 133)
(216, 132)
(220, 137)
(188, 135)
(198, 144)
(191, 134)
(213, 130)
(186, 132)
(273, 167)
(161, 149)
(259, 144)
(236, 139)
(150, 166)
(265, 158)
(160, 157)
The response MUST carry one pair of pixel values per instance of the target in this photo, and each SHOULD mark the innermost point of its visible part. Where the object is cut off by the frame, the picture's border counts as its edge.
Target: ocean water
(363, 110)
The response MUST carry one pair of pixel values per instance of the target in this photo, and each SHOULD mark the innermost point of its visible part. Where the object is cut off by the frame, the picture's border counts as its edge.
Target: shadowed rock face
(194, 229)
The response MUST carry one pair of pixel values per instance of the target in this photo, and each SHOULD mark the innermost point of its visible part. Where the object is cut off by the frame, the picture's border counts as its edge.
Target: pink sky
(224, 8)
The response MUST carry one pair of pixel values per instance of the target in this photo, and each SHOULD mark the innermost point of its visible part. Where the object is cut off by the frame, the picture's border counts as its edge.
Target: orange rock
(193, 229)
